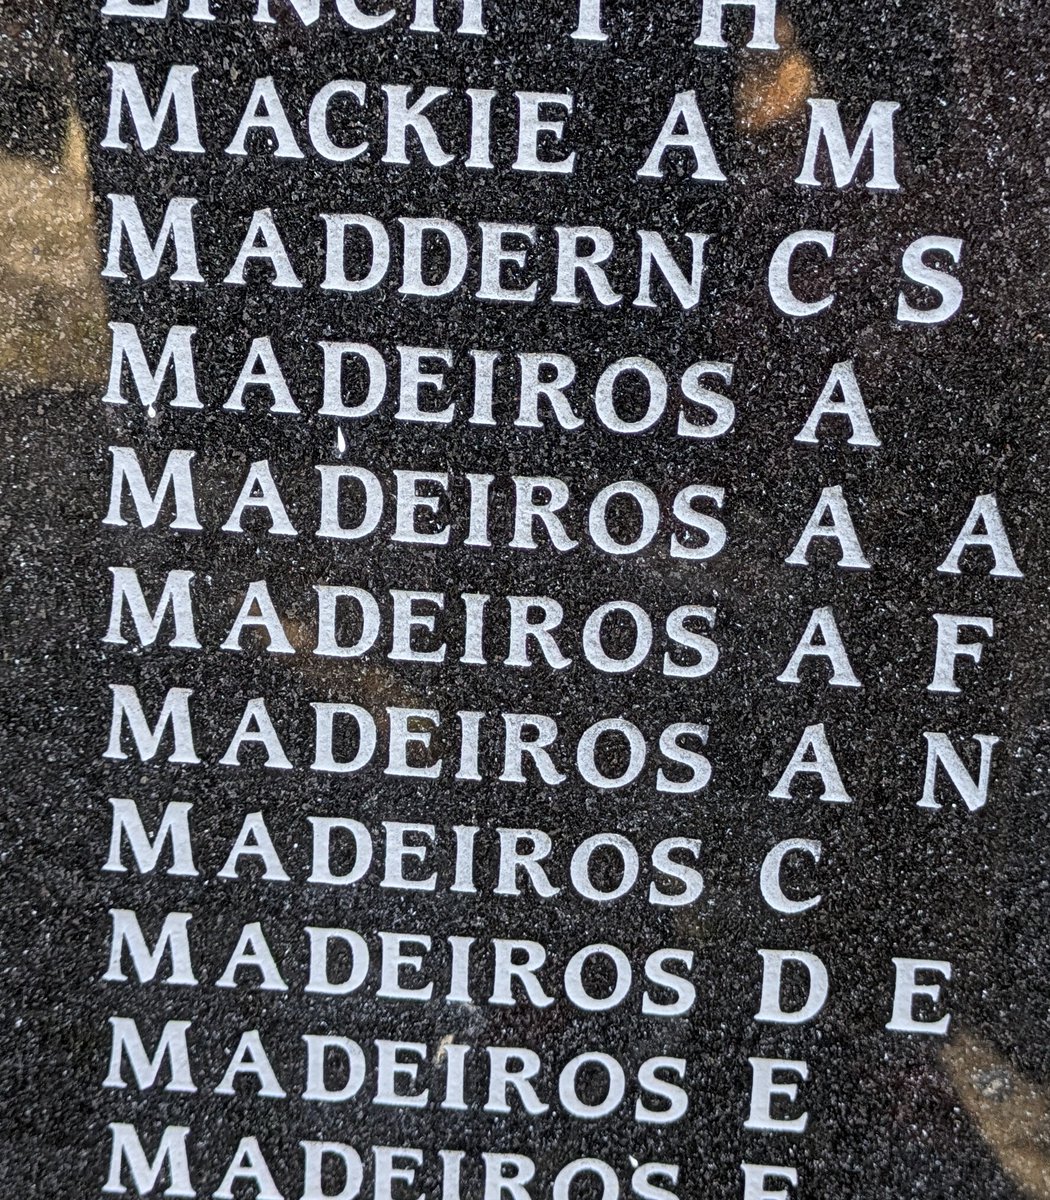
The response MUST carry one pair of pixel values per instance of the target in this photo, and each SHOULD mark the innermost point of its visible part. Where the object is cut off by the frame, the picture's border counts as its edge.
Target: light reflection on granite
(54, 327)
(1012, 1113)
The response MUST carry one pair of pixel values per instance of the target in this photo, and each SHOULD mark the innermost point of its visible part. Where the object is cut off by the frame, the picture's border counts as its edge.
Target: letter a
(842, 379)
(831, 504)
(694, 139)
(984, 515)
(813, 757)
(830, 646)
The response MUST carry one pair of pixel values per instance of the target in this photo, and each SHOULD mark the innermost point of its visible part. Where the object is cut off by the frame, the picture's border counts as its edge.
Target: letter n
(940, 751)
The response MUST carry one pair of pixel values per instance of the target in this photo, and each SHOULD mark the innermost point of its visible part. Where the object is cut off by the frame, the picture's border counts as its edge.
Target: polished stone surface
(958, 408)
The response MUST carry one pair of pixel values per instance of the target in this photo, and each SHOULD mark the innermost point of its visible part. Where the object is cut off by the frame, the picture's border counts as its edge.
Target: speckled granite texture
(959, 409)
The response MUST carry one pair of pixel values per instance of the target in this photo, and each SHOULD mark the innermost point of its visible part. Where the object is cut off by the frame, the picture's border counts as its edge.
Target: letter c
(769, 878)
(780, 273)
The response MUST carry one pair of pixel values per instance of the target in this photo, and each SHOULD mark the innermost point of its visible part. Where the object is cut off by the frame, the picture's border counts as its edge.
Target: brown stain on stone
(774, 88)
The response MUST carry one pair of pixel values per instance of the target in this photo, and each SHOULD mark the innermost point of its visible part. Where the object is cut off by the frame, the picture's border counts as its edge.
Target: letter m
(176, 476)
(176, 227)
(127, 1148)
(940, 752)
(173, 937)
(174, 824)
(172, 1045)
(125, 89)
(127, 590)
(175, 711)
(177, 353)
(825, 126)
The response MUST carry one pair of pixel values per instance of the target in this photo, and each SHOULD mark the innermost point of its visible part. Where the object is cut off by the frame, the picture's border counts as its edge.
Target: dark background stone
(960, 409)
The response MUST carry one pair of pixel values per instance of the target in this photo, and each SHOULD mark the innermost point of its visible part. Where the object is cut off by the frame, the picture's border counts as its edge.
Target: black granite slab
(958, 408)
